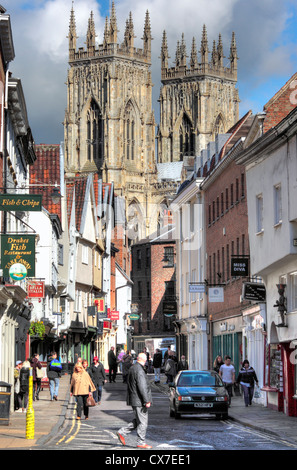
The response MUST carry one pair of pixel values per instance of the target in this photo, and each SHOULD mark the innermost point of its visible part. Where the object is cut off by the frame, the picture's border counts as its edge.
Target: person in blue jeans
(54, 369)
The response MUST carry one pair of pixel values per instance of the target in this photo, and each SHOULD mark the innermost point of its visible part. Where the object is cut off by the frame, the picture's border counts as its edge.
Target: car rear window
(199, 380)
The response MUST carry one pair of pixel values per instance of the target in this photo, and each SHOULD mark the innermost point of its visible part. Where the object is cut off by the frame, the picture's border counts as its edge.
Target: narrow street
(164, 433)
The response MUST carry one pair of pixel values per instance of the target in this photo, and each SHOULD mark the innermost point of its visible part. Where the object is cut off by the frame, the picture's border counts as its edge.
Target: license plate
(203, 405)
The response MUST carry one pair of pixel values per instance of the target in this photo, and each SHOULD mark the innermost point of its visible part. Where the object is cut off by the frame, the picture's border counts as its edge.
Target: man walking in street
(112, 364)
(54, 369)
(98, 378)
(139, 396)
(227, 373)
(157, 362)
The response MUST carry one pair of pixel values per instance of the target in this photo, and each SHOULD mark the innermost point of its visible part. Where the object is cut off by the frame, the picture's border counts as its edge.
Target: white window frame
(85, 254)
(259, 213)
(277, 200)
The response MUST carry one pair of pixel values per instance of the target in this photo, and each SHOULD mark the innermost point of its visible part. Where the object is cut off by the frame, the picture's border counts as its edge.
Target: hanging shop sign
(18, 256)
(92, 310)
(196, 287)
(169, 308)
(216, 294)
(239, 266)
(254, 291)
(134, 316)
(35, 289)
(23, 202)
(114, 315)
(100, 304)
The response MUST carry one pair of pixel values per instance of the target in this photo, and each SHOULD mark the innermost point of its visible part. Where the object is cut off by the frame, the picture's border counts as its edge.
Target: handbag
(90, 401)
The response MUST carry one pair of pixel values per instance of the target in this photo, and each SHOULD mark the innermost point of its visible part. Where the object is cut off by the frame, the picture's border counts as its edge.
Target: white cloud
(41, 46)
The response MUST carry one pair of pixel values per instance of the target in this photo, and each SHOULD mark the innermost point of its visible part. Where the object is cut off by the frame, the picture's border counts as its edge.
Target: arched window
(95, 143)
(186, 138)
(129, 137)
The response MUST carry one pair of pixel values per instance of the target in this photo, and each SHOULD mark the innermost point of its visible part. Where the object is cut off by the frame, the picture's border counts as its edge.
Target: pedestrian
(54, 370)
(227, 373)
(247, 378)
(218, 362)
(127, 362)
(24, 386)
(167, 354)
(98, 379)
(85, 365)
(157, 362)
(37, 375)
(120, 359)
(139, 396)
(170, 368)
(182, 364)
(82, 387)
(112, 364)
(17, 369)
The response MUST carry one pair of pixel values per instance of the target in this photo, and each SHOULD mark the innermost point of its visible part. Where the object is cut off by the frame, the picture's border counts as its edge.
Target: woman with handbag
(81, 387)
(37, 375)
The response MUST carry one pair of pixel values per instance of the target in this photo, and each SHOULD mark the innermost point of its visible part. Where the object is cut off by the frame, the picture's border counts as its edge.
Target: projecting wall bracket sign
(20, 202)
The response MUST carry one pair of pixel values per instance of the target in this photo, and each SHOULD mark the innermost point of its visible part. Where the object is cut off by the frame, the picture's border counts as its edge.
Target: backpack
(55, 365)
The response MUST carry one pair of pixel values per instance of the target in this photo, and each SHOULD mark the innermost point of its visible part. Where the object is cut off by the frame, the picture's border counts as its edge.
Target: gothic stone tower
(196, 101)
(109, 124)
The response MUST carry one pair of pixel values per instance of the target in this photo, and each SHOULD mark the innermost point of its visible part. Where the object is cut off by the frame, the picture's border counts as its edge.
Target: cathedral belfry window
(94, 133)
(186, 138)
(129, 133)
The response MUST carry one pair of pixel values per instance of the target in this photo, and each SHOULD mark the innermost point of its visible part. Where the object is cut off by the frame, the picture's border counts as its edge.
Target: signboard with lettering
(100, 305)
(169, 308)
(216, 294)
(18, 256)
(254, 291)
(239, 266)
(114, 315)
(20, 202)
(35, 289)
(196, 288)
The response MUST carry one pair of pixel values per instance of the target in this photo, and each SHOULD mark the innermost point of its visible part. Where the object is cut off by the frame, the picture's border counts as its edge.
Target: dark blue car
(198, 392)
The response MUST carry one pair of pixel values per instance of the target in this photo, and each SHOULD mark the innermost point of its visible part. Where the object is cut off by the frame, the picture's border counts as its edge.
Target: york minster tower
(109, 124)
(197, 100)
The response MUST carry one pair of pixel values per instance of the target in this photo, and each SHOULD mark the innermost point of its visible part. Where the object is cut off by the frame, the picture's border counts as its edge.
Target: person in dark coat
(98, 377)
(247, 378)
(112, 364)
(182, 364)
(127, 362)
(54, 373)
(139, 396)
(170, 368)
(36, 364)
(23, 395)
(157, 362)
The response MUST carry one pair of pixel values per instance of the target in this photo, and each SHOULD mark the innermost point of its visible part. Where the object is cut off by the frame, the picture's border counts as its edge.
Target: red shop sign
(35, 289)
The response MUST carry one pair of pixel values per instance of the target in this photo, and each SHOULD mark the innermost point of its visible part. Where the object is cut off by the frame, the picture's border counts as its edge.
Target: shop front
(227, 340)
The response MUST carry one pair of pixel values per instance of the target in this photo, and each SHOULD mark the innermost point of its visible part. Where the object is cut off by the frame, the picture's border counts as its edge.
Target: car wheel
(177, 415)
(225, 416)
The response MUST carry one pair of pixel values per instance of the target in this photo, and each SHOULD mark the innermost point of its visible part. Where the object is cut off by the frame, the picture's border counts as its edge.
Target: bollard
(30, 420)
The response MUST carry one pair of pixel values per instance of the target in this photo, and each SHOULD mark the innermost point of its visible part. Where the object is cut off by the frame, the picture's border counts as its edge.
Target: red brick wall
(222, 232)
(282, 103)
(156, 275)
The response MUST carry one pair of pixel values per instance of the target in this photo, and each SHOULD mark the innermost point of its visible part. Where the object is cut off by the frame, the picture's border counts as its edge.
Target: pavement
(49, 418)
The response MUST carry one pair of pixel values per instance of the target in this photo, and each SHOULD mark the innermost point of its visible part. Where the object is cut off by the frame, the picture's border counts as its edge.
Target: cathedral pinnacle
(72, 33)
(91, 33)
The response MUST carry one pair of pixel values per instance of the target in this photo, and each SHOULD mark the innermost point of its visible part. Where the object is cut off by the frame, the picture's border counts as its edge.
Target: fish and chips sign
(18, 256)
(20, 202)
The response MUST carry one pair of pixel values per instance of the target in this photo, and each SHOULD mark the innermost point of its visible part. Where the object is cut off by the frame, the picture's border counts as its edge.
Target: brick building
(226, 226)
(153, 276)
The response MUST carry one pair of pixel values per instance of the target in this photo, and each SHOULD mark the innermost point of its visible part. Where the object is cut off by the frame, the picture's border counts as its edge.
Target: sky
(265, 31)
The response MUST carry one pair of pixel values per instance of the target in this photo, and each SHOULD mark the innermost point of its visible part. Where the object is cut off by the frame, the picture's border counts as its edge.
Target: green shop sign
(18, 256)
(134, 316)
(23, 202)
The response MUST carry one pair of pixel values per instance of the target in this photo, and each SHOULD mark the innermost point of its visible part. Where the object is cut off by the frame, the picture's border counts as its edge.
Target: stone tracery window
(186, 138)
(129, 133)
(95, 133)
